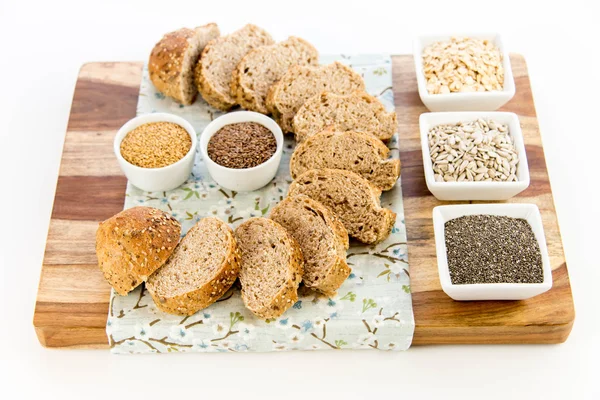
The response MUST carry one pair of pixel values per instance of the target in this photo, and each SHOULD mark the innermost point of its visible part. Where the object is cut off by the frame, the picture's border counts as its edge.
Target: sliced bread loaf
(357, 111)
(202, 268)
(322, 239)
(351, 198)
(173, 59)
(271, 267)
(352, 151)
(265, 65)
(214, 71)
(133, 244)
(300, 83)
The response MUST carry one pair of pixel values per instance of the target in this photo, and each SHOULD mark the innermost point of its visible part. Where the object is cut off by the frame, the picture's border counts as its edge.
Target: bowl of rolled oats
(463, 73)
(473, 155)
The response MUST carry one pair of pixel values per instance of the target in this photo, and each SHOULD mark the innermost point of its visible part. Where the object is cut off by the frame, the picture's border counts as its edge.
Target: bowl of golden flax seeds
(156, 151)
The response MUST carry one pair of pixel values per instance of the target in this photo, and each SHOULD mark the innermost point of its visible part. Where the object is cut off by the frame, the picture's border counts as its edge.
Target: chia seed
(242, 145)
(492, 249)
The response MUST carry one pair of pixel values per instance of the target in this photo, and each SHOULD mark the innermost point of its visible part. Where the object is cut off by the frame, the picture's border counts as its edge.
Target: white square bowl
(475, 101)
(490, 291)
(474, 190)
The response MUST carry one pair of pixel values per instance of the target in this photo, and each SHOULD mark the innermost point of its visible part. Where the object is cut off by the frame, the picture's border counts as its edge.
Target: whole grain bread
(265, 65)
(322, 239)
(271, 267)
(214, 71)
(133, 244)
(352, 151)
(173, 59)
(358, 111)
(351, 198)
(201, 269)
(300, 83)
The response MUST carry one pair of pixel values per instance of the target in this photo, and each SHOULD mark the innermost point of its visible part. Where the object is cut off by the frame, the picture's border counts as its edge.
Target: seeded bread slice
(172, 61)
(202, 268)
(358, 111)
(351, 151)
(214, 71)
(133, 244)
(263, 66)
(300, 83)
(322, 239)
(351, 198)
(271, 268)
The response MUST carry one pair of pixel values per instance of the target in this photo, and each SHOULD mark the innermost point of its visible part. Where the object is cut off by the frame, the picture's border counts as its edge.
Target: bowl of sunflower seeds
(473, 155)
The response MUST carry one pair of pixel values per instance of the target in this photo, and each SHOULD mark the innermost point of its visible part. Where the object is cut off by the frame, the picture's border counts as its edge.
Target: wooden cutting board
(72, 300)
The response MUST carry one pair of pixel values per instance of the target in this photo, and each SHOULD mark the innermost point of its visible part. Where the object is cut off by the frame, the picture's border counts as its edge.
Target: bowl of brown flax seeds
(242, 150)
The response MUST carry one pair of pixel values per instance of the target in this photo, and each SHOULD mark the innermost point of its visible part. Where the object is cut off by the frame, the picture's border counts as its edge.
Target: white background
(42, 46)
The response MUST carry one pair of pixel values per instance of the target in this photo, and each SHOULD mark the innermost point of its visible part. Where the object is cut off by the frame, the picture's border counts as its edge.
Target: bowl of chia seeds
(242, 150)
(491, 251)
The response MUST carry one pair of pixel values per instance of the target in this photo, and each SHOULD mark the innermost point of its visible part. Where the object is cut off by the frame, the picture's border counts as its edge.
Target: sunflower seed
(480, 150)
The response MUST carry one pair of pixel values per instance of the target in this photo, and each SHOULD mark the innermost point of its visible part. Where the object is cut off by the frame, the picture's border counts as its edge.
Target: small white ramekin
(474, 190)
(475, 101)
(243, 179)
(157, 179)
(490, 291)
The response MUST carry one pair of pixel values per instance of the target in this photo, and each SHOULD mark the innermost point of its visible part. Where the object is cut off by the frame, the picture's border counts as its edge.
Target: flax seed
(156, 145)
(242, 145)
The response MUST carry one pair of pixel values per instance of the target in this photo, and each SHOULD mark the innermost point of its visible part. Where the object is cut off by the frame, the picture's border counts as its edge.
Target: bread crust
(246, 96)
(133, 244)
(382, 217)
(288, 294)
(278, 110)
(335, 278)
(208, 90)
(193, 301)
(167, 60)
(339, 270)
(382, 174)
(387, 122)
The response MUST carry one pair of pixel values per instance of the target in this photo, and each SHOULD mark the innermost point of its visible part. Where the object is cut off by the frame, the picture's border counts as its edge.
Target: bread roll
(200, 271)
(133, 244)
(271, 267)
(173, 59)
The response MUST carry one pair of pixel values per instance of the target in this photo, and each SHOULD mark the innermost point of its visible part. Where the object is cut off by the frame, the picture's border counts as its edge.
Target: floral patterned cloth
(373, 308)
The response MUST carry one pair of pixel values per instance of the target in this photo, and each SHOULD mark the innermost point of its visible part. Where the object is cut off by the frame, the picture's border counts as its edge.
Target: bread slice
(202, 268)
(352, 151)
(351, 198)
(214, 71)
(263, 66)
(133, 244)
(173, 59)
(322, 239)
(271, 267)
(300, 83)
(358, 111)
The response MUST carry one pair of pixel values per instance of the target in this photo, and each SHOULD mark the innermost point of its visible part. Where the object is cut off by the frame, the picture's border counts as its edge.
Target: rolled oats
(463, 65)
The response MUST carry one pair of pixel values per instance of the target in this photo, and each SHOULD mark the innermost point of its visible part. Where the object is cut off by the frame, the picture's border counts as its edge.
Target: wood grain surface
(72, 301)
